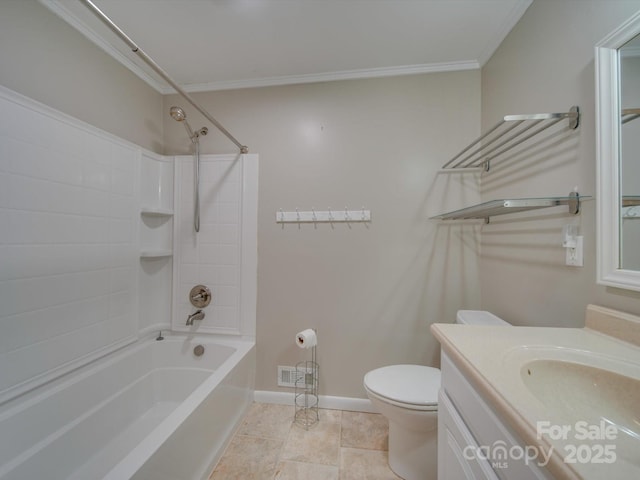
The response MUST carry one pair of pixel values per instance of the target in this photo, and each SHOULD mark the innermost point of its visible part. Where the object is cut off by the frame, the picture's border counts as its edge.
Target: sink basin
(598, 406)
(580, 392)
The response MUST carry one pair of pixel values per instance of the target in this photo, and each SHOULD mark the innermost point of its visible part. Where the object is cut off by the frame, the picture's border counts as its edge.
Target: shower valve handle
(200, 296)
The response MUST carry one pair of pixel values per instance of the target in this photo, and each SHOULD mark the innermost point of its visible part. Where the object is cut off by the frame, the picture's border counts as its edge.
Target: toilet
(408, 396)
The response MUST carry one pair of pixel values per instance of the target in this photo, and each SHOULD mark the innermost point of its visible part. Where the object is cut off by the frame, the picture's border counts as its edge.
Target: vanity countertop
(500, 362)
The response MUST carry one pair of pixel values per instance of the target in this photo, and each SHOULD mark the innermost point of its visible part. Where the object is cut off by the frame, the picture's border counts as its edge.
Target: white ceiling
(217, 44)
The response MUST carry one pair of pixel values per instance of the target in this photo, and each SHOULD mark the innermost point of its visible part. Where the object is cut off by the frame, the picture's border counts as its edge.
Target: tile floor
(341, 446)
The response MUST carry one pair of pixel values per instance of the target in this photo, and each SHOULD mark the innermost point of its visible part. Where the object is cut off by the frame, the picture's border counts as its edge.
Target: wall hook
(325, 216)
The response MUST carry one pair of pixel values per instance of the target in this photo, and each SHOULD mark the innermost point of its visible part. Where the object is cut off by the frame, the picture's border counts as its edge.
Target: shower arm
(149, 61)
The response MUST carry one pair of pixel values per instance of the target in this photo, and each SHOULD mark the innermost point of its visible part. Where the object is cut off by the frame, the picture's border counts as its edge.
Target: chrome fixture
(629, 114)
(513, 205)
(200, 296)
(178, 115)
(159, 337)
(510, 132)
(199, 315)
(156, 68)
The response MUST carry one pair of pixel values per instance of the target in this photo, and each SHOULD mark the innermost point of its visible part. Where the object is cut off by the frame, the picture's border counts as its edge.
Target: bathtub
(154, 410)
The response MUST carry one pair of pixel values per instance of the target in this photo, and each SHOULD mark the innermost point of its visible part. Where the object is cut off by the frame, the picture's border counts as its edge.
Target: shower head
(177, 114)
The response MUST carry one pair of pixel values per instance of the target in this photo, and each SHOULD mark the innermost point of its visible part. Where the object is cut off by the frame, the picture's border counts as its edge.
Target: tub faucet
(199, 315)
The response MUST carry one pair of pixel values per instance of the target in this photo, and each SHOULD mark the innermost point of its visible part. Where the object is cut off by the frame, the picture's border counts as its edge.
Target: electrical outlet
(575, 255)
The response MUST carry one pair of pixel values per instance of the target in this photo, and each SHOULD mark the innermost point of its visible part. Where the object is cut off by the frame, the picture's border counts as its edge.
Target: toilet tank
(478, 317)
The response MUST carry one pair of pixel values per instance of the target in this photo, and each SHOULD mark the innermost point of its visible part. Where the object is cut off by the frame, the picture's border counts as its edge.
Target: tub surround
(494, 365)
(91, 229)
(68, 247)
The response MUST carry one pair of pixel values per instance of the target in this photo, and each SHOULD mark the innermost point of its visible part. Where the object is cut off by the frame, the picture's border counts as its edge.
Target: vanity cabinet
(473, 442)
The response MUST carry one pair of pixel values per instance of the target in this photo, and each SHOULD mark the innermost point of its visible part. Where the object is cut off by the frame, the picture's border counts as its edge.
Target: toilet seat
(414, 387)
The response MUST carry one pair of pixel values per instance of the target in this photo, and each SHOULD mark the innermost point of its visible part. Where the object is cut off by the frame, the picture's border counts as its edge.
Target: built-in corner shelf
(510, 132)
(155, 233)
(156, 212)
(493, 208)
(155, 253)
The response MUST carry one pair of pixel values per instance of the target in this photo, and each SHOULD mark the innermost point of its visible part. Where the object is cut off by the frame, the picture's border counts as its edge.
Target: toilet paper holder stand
(306, 392)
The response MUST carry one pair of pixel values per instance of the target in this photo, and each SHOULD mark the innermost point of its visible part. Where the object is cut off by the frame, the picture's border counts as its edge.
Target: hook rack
(324, 216)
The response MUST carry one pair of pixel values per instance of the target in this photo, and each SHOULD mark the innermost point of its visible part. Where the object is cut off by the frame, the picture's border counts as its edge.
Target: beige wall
(371, 291)
(44, 58)
(546, 64)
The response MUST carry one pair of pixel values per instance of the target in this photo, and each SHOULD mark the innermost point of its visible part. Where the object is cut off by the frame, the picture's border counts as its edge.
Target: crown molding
(329, 76)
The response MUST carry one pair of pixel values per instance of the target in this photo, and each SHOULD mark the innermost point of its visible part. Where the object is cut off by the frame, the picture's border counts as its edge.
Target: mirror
(617, 59)
(629, 59)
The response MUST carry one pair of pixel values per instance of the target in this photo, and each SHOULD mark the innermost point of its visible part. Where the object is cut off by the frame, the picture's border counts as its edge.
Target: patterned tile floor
(341, 446)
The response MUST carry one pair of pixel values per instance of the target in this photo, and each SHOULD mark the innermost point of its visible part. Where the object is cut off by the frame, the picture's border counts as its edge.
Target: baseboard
(324, 401)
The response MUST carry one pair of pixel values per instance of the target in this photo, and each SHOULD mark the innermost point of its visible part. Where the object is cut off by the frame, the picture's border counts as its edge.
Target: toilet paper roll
(306, 338)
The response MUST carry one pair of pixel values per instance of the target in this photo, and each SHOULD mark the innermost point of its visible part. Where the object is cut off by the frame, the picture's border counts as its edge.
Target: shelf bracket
(574, 203)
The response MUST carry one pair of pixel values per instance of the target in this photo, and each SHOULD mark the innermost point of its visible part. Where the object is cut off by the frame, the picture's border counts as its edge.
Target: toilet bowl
(407, 395)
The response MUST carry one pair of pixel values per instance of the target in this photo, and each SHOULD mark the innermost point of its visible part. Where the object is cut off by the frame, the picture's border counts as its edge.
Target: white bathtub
(152, 411)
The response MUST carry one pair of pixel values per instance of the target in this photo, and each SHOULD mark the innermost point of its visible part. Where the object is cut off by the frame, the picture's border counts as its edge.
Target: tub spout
(199, 315)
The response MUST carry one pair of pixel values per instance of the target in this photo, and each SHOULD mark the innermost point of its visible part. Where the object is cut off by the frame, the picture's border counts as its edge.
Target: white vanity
(466, 422)
(540, 403)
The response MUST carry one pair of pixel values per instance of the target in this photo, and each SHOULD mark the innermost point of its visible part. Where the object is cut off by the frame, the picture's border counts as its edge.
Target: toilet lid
(410, 384)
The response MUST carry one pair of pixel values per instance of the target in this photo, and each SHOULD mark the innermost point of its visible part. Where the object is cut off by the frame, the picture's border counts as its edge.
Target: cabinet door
(456, 446)
(485, 428)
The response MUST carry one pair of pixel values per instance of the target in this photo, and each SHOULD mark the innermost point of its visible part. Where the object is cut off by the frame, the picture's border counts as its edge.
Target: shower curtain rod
(149, 61)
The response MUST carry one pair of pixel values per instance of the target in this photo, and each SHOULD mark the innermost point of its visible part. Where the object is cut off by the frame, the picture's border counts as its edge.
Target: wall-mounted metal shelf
(630, 200)
(631, 207)
(502, 207)
(629, 114)
(510, 132)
